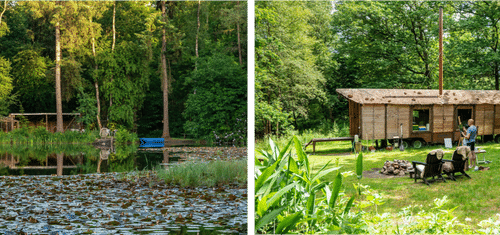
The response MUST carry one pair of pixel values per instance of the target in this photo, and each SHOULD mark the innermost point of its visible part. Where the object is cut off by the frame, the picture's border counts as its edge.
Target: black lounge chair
(458, 162)
(432, 167)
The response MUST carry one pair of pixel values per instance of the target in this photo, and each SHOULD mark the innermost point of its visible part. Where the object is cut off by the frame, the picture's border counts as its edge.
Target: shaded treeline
(119, 58)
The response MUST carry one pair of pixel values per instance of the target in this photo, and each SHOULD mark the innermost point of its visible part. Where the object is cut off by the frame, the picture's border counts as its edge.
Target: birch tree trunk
(5, 8)
(96, 83)
(114, 30)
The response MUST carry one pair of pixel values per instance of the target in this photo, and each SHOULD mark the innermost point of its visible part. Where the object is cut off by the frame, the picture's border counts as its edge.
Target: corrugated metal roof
(420, 97)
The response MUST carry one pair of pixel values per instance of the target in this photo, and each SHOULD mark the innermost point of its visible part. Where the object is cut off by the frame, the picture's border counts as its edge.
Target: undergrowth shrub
(124, 136)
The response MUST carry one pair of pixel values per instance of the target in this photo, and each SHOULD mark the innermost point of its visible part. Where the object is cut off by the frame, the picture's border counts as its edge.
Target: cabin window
(421, 120)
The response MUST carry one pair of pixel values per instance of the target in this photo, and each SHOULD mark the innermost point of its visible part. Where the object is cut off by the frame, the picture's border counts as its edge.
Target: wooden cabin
(49, 120)
(425, 116)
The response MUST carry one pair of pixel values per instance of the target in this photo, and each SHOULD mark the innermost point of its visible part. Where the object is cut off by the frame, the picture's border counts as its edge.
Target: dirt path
(375, 173)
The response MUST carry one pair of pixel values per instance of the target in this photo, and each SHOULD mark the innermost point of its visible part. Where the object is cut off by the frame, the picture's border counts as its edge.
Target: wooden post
(440, 51)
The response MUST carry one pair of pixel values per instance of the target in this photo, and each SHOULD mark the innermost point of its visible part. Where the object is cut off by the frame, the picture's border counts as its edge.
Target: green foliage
(436, 221)
(126, 77)
(359, 165)
(287, 79)
(473, 48)
(4, 29)
(289, 197)
(218, 100)
(124, 137)
(5, 79)
(88, 110)
(236, 137)
(209, 174)
(125, 74)
(124, 158)
(31, 82)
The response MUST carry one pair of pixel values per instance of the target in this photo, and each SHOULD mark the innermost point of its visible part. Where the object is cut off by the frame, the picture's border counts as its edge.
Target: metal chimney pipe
(440, 51)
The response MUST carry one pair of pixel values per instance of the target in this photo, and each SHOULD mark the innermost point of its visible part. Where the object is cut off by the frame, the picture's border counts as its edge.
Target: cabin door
(464, 114)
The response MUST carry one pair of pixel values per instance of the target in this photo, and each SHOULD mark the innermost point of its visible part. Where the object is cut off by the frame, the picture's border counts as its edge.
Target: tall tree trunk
(197, 28)
(59, 125)
(166, 130)
(96, 83)
(238, 30)
(112, 51)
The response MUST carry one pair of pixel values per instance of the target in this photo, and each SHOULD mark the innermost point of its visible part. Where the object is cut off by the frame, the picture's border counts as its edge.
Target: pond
(76, 189)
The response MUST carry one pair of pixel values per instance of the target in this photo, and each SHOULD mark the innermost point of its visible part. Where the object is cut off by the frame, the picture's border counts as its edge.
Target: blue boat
(152, 142)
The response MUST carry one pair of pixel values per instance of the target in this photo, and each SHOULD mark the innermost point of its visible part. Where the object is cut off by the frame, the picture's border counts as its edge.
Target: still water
(74, 159)
(76, 189)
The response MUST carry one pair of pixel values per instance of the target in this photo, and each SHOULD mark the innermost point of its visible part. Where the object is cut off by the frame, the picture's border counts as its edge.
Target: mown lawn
(476, 198)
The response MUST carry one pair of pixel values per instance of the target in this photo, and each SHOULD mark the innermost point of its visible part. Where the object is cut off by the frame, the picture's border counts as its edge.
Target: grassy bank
(39, 135)
(204, 173)
(42, 150)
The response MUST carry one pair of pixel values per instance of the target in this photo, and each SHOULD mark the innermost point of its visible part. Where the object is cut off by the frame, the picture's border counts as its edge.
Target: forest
(306, 50)
(157, 68)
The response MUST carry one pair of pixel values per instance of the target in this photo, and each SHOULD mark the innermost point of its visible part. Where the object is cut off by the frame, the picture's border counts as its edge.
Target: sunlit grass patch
(204, 173)
(476, 198)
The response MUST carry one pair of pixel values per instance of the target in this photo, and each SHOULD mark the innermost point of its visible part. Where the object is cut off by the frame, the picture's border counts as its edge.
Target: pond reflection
(66, 159)
(74, 159)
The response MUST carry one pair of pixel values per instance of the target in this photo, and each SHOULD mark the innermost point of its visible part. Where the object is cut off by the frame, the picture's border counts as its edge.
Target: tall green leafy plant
(290, 197)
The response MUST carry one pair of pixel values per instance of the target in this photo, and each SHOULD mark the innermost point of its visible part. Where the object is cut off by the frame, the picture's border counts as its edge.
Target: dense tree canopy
(111, 61)
(306, 50)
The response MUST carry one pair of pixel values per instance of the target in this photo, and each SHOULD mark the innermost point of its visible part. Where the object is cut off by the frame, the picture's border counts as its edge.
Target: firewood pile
(396, 167)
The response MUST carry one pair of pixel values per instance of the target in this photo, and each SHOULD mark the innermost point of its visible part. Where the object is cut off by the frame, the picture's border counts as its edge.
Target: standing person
(471, 141)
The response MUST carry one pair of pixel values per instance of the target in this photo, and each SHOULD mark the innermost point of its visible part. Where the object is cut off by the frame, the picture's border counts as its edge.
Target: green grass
(205, 173)
(476, 198)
